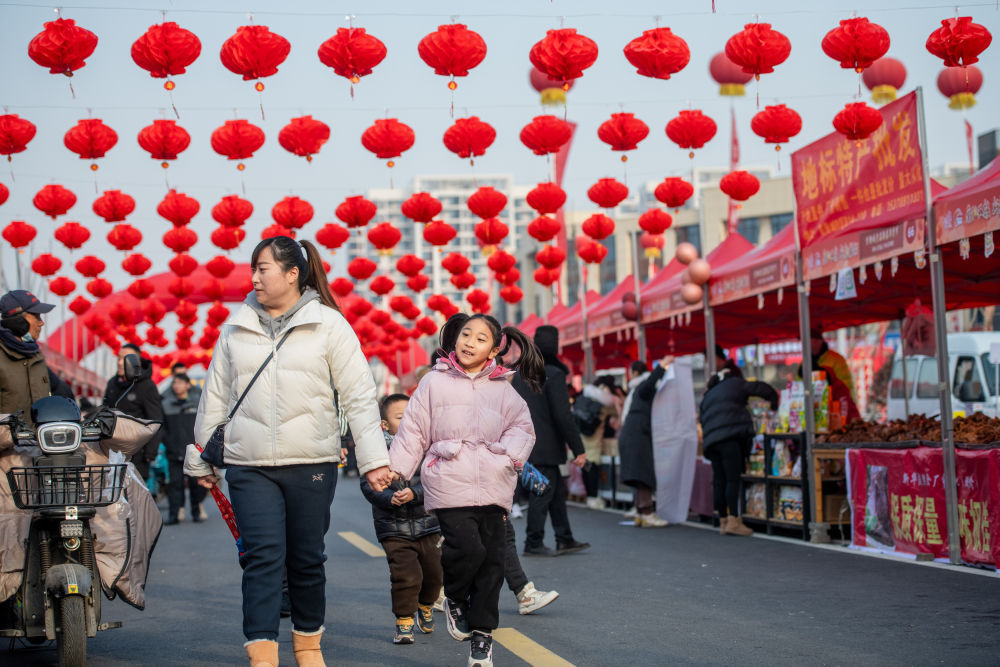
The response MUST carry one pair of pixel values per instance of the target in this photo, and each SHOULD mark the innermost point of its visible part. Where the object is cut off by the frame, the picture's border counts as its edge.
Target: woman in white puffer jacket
(282, 446)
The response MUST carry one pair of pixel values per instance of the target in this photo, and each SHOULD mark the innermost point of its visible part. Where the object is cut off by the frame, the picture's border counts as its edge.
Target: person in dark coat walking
(142, 401)
(635, 443)
(180, 407)
(727, 430)
(555, 428)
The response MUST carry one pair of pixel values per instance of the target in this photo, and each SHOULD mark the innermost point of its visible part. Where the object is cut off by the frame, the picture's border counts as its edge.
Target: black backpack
(587, 413)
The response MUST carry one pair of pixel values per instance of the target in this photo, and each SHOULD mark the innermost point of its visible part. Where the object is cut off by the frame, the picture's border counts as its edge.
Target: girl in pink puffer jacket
(473, 433)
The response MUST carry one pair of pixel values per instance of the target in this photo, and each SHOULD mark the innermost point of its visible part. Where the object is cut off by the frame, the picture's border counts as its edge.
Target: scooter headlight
(59, 437)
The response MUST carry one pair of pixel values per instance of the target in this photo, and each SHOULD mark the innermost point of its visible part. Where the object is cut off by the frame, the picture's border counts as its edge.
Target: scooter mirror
(132, 367)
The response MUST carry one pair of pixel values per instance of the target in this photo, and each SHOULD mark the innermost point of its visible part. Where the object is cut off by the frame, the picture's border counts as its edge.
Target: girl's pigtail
(449, 332)
(530, 363)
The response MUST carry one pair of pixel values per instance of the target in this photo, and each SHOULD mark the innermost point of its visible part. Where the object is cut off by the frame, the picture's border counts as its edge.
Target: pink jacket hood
(476, 433)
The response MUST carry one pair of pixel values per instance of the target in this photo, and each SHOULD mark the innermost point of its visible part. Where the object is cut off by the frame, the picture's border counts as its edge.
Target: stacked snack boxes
(791, 414)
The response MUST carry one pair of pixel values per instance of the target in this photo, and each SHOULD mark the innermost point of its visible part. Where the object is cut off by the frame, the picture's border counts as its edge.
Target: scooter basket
(58, 486)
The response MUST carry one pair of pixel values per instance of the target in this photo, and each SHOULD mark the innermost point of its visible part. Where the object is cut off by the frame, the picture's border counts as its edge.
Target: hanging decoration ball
(89, 266)
(959, 41)
(384, 237)
(590, 251)
(254, 52)
(463, 281)
(410, 265)
(691, 294)
(304, 136)
(501, 261)
(136, 264)
(79, 306)
(90, 138)
(54, 200)
(607, 193)
(658, 53)
(686, 253)
(776, 124)
(228, 238)
(655, 221)
(331, 235)
(426, 326)
(960, 85)
(237, 140)
(730, 76)
(356, 211)
(652, 245)
(758, 49)
(546, 134)
(381, 285)
(674, 192)
(553, 91)
(113, 206)
(4, 194)
(180, 239)
(487, 202)
(46, 264)
(700, 271)
(19, 233)
(388, 138)
(124, 237)
(598, 226)
(72, 235)
(418, 283)
(232, 211)
(623, 132)
(479, 300)
(421, 207)
(546, 277)
(164, 140)
(550, 257)
(141, 288)
(452, 50)
(178, 208)
(691, 129)
(183, 264)
(509, 277)
(352, 53)
(62, 286)
(490, 233)
(276, 229)
(563, 54)
(884, 78)
(455, 263)
(856, 43)
(469, 137)
(166, 50)
(292, 212)
(857, 121)
(544, 229)
(15, 133)
(361, 268)
(341, 287)
(99, 288)
(546, 198)
(62, 46)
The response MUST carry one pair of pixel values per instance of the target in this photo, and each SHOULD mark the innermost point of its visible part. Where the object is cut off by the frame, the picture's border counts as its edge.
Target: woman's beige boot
(737, 527)
(723, 525)
(263, 653)
(307, 651)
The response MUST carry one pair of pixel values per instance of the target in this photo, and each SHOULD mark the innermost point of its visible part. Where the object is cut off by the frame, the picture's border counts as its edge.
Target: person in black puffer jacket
(142, 401)
(727, 429)
(409, 536)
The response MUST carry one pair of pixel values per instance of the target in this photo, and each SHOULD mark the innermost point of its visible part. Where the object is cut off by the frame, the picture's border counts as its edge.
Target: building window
(749, 228)
(779, 222)
(608, 277)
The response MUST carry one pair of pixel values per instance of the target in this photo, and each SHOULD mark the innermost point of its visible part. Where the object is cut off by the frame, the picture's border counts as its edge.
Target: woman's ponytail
(317, 276)
(530, 364)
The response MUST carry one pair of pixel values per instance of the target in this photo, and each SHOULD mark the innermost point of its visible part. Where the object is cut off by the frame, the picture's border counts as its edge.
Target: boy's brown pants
(415, 572)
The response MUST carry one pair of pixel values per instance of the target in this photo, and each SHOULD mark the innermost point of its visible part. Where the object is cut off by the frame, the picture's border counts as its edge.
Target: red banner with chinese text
(897, 502)
(845, 188)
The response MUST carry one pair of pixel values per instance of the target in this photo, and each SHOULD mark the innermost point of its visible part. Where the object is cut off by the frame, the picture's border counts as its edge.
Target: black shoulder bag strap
(257, 374)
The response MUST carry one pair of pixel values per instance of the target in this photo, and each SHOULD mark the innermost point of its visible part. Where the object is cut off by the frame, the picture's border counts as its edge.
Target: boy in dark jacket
(180, 407)
(409, 536)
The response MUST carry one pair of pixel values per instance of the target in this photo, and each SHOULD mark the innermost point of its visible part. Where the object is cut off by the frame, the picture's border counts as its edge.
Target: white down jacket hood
(289, 416)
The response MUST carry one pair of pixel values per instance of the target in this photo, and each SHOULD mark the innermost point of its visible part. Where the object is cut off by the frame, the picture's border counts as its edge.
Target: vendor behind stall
(838, 374)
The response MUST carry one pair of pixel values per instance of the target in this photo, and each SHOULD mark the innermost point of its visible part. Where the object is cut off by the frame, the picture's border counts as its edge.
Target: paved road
(681, 595)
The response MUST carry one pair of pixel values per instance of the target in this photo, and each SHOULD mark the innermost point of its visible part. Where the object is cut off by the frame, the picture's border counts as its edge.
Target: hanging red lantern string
(856, 43)
(511, 294)
(439, 233)
(254, 52)
(546, 277)
(90, 138)
(331, 236)
(463, 281)
(730, 76)
(180, 239)
(691, 129)
(54, 200)
(487, 202)
(19, 234)
(89, 266)
(63, 47)
(740, 185)
(410, 265)
(509, 277)
(46, 264)
(758, 49)
(658, 53)
(232, 211)
(490, 233)
(959, 41)
(479, 300)
(361, 268)
(563, 54)
(304, 136)
(113, 206)
(674, 192)
(341, 287)
(141, 288)
(418, 283)
(124, 237)
(607, 193)
(62, 286)
(884, 78)
(551, 257)
(237, 140)
(79, 306)
(501, 261)
(183, 264)
(776, 124)
(469, 138)
(352, 53)
(421, 207)
(356, 212)
(546, 198)
(220, 266)
(136, 264)
(960, 85)
(228, 238)
(166, 50)
(72, 235)
(598, 226)
(164, 140)
(100, 288)
(857, 121)
(623, 132)
(388, 138)
(178, 208)
(589, 250)
(292, 212)
(15, 133)
(381, 285)
(384, 237)
(546, 134)
(544, 229)
(655, 221)
(455, 263)
(452, 50)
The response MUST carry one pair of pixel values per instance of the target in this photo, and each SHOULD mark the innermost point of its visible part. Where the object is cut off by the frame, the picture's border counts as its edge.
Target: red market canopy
(971, 207)
(606, 314)
(769, 267)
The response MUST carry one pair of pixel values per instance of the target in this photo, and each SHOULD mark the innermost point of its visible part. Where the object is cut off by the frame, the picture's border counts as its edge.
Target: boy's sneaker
(404, 631)
(458, 621)
(650, 520)
(481, 650)
(530, 599)
(425, 618)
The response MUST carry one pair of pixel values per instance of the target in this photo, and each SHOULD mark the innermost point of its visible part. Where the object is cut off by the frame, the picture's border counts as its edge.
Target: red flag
(733, 220)
(560, 167)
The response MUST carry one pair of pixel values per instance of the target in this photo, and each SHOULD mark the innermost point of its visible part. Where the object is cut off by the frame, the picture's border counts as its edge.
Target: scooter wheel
(71, 637)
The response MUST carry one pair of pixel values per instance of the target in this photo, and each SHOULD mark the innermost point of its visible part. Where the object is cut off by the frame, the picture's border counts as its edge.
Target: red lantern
(361, 268)
(381, 285)
(180, 239)
(232, 211)
(156, 337)
(4, 193)
(553, 91)
(652, 244)
(758, 49)
(292, 212)
(776, 124)
(421, 207)
(959, 41)
(598, 226)
(382, 319)
(141, 289)
(220, 266)
(254, 52)
(356, 211)
(341, 287)
(960, 85)
(100, 288)
(136, 264)
(90, 138)
(19, 233)
(455, 263)
(740, 185)
(509, 277)
(72, 234)
(546, 198)
(511, 293)
(452, 50)
(856, 43)
(332, 235)
(607, 193)
(164, 140)
(439, 303)
(469, 137)
(623, 132)
(655, 221)
(124, 237)
(271, 231)
(487, 202)
(186, 312)
(674, 192)
(183, 264)
(590, 251)
(730, 76)
(546, 134)
(89, 266)
(501, 261)
(388, 138)
(438, 233)
(180, 288)
(490, 233)
(79, 306)
(479, 300)
(178, 208)
(46, 264)
(113, 205)
(228, 238)
(54, 200)
(237, 140)
(215, 290)
(15, 133)
(544, 228)
(410, 265)
(166, 50)
(426, 326)
(884, 78)
(418, 283)
(563, 54)
(546, 277)
(63, 46)
(304, 136)
(384, 236)
(153, 311)
(61, 286)
(463, 280)
(691, 129)
(352, 53)
(658, 53)
(551, 257)
(857, 121)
